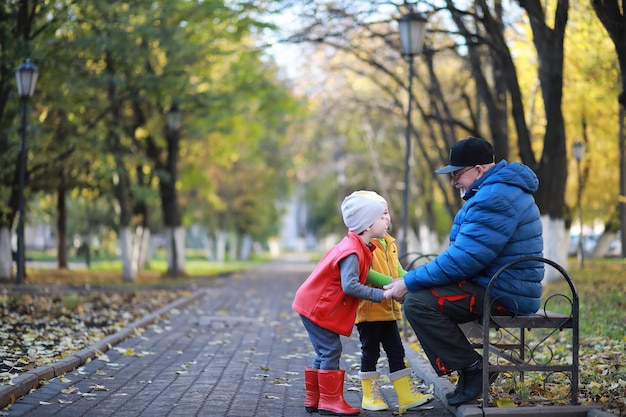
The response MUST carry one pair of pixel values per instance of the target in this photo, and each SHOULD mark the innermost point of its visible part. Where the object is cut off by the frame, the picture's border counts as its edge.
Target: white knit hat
(360, 210)
(372, 194)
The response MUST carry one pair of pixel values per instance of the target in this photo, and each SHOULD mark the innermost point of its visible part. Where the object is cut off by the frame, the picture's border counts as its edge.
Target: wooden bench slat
(550, 320)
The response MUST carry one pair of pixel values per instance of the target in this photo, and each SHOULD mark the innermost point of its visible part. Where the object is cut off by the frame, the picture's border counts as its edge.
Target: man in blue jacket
(498, 222)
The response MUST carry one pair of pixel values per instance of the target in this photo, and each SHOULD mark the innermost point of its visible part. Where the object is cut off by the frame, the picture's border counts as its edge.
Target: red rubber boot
(312, 390)
(331, 394)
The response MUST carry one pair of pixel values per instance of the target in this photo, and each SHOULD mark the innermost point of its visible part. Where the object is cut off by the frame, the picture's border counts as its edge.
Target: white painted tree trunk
(137, 248)
(141, 248)
(234, 242)
(6, 255)
(145, 255)
(207, 245)
(179, 238)
(170, 239)
(246, 247)
(175, 243)
(554, 246)
(129, 271)
(601, 248)
(220, 245)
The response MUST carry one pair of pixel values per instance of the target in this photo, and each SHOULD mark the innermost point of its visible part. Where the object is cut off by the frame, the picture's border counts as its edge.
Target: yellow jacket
(385, 261)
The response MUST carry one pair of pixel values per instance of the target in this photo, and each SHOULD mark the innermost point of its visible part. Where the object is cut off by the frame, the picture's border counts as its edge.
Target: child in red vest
(328, 299)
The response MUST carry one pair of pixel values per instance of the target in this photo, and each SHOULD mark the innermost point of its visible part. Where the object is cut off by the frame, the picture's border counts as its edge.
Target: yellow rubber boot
(408, 394)
(371, 392)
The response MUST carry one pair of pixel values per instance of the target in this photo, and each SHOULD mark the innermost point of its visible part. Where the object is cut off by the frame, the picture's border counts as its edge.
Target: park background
(234, 129)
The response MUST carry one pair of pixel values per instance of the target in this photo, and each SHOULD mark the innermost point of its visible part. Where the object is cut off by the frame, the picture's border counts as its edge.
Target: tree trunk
(175, 251)
(169, 202)
(61, 228)
(179, 235)
(612, 17)
(552, 169)
(129, 271)
(139, 247)
(246, 247)
(233, 247)
(143, 243)
(6, 255)
(622, 175)
(221, 237)
(207, 245)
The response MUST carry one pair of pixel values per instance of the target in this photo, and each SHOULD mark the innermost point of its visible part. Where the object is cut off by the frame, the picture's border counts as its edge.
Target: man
(498, 222)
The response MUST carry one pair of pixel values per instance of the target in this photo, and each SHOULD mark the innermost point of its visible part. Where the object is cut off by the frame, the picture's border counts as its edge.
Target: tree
(466, 79)
(24, 24)
(611, 14)
(117, 69)
(241, 176)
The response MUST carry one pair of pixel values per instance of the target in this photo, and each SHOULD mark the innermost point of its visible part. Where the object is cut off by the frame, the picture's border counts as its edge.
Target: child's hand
(387, 294)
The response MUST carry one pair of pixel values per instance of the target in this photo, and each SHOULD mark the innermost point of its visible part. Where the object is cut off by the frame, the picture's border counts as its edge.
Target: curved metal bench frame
(542, 319)
(417, 259)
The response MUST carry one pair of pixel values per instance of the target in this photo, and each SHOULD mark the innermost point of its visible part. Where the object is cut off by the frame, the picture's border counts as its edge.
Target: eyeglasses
(456, 175)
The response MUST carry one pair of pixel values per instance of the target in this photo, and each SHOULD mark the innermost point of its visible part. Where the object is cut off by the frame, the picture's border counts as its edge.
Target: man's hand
(396, 289)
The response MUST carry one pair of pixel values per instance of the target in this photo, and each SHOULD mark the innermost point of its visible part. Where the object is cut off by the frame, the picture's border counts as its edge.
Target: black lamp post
(412, 31)
(26, 75)
(578, 150)
(174, 121)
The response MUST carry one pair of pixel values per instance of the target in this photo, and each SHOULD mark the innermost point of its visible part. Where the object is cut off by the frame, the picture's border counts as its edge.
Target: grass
(107, 270)
(601, 286)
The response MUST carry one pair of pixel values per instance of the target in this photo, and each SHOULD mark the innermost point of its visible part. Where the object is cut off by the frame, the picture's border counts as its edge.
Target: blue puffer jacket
(498, 223)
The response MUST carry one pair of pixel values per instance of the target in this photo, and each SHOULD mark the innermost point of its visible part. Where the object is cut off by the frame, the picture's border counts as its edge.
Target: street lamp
(174, 118)
(174, 121)
(26, 75)
(578, 150)
(412, 30)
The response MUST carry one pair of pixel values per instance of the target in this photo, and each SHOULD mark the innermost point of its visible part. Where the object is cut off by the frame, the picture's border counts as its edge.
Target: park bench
(544, 345)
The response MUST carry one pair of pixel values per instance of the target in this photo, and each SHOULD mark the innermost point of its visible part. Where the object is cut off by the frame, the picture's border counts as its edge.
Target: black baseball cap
(468, 152)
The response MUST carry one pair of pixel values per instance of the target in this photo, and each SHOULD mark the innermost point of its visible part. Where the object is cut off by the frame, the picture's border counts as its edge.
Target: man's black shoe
(459, 385)
(472, 384)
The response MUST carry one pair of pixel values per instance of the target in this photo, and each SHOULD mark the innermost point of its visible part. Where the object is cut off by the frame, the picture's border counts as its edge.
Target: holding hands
(396, 289)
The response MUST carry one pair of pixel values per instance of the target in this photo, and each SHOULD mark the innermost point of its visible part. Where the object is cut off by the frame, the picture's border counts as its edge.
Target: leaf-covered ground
(40, 327)
(602, 378)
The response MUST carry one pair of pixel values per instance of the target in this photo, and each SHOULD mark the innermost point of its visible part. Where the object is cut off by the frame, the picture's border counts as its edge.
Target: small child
(327, 302)
(377, 324)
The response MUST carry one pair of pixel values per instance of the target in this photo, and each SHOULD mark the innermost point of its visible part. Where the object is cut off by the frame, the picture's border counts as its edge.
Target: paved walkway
(237, 350)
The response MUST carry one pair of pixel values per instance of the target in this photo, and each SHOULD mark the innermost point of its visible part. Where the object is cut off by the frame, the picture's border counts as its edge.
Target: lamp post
(26, 75)
(174, 121)
(578, 150)
(412, 30)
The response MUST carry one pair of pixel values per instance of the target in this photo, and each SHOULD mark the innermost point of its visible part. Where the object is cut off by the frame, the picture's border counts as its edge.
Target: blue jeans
(326, 344)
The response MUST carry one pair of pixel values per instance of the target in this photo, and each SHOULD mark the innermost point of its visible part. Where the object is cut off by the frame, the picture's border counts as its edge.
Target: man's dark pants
(434, 315)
